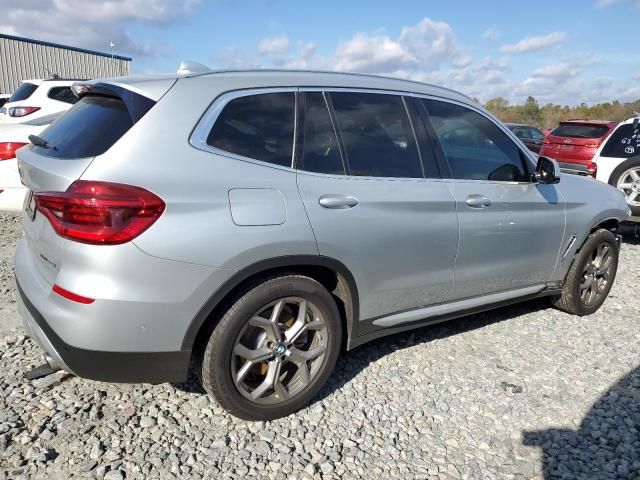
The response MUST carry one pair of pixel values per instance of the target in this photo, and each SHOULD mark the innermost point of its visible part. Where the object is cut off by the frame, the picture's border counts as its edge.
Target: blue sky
(564, 52)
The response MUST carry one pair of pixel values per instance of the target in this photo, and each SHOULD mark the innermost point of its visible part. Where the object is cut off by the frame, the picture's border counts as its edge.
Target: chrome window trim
(200, 133)
(518, 143)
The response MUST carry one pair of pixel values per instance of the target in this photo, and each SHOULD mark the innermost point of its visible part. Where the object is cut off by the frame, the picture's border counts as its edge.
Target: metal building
(24, 58)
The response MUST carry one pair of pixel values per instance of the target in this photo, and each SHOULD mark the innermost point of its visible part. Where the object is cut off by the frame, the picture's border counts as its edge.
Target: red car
(574, 143)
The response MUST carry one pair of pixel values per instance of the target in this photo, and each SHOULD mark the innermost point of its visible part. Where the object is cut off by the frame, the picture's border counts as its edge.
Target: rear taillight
(8, 149)
(74, 297)
(546, 141)
(592, 145)
(592, 169)
(100, 213)
(22, 111)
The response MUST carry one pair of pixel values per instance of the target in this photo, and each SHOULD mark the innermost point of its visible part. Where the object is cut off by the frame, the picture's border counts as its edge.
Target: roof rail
(188, 67)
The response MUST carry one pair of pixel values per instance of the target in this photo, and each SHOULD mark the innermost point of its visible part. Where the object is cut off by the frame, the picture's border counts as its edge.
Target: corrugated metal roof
(66, 47)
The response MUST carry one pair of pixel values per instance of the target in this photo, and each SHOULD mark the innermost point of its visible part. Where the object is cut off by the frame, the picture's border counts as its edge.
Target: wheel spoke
(299, 356)
(625, 186)
(267, 383)
(634, 174)
(278, 387)
(586, 282)
(273, 331)
(604, 265)
(631, 197)
(257, 355)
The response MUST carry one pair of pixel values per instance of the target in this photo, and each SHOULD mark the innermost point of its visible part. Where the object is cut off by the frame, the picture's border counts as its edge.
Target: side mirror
(547, 171)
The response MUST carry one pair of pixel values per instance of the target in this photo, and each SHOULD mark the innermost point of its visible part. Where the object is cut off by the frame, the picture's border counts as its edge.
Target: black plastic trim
(271, 264)
(369, 331)
(119, 367)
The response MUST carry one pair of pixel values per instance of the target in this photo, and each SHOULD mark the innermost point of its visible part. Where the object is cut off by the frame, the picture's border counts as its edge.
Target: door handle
(477, 201)
(337, 201)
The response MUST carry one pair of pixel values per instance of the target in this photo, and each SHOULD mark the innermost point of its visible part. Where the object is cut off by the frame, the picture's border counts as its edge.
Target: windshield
(580, 130)
(23, 92)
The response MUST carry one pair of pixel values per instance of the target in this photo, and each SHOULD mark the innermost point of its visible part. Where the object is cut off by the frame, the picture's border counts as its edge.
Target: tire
(584, 273)
(279, 358)
(631, 163)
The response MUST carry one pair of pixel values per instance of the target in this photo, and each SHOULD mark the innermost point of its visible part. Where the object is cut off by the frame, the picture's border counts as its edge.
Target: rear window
(88, 129)
(579, 130)
(624, 142)
(23, 92)
(62, 94)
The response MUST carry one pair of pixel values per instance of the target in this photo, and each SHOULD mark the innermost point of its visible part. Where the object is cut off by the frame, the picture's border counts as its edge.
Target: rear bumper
(124, 367)
(574, 168)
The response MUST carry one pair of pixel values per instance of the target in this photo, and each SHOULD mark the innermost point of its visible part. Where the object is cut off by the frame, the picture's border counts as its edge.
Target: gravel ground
(521, 392)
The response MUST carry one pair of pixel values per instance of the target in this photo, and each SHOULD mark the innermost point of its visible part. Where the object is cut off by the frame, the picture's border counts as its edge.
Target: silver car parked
(261, 221)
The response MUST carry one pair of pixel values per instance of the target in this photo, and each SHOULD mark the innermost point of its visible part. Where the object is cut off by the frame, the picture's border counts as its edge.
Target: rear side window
(579, 130)
(23, 92)
(62, 94)
(377, 135)
(257, 126)
(321, 152)
(624, 142)
(88, 129)
(475, 147)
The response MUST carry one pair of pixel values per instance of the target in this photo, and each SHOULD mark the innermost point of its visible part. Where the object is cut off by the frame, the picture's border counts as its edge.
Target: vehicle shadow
(353, 362)
(607, 444)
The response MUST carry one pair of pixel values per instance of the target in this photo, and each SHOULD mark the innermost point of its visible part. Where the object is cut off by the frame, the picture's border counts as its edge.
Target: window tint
(23, 92)
(624, 142)
(321, 152)
(578, 130)
(258, 127)
(88, 129)
(62, 94)
(475, 147)
(377, 135)
(521, 132)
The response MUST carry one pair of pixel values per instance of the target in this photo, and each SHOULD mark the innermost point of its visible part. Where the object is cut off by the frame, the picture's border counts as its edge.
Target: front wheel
(591, 275)
(273, 349)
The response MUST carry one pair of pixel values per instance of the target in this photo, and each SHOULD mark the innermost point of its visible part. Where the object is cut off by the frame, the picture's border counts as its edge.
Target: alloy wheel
(596, 274)
(279, 351)
(629, 184)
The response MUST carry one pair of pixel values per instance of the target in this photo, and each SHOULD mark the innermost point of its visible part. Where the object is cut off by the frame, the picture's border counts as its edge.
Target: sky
(569, 52)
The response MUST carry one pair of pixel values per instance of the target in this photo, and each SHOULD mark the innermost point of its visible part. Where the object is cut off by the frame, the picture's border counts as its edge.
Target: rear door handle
(337, 201)
(477, 201)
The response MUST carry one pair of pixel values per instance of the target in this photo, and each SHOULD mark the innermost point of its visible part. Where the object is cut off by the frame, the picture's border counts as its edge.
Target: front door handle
(477, 201)
(337, 201)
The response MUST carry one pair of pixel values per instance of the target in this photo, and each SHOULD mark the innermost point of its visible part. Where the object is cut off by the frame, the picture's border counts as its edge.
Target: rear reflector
(8, 149)
(100, 213)
(22, 111)
(72, 296)
(592, 168)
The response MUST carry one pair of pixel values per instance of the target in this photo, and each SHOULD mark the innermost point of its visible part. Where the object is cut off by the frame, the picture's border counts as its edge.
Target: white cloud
(274, 46)
(605, 3)
(491, 33)
(557, 70)
(90, 23)
(532, 44)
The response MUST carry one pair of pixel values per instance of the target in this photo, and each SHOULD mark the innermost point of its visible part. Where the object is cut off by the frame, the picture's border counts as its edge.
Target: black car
(531, 136)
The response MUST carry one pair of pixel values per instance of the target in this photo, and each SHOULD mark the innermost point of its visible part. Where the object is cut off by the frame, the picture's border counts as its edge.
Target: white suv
(38, 98)
(618, 161)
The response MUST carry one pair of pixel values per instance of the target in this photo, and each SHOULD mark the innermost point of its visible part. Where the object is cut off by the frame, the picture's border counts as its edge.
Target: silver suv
(261, 221)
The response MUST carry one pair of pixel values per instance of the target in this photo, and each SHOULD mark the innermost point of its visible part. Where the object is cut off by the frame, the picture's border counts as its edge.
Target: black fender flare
(288, 261)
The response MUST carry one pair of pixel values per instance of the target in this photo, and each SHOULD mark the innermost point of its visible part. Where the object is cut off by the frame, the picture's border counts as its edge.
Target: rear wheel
(626, 178)
(591, 275)
(273, 349)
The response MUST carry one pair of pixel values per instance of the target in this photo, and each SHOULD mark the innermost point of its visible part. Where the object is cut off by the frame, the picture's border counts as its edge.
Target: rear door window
(579, 130)
(24, 91)
(624, 142)
(257, 126)
(475, 147)
(321, 152)
(62, 94)
(88, 129)
(377, 135)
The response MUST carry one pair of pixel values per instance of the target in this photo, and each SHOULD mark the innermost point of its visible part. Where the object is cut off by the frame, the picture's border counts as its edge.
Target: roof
(307, 78)
(65, 47)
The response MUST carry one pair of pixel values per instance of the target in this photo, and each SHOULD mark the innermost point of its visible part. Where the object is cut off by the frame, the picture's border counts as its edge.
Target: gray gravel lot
(521, 392)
